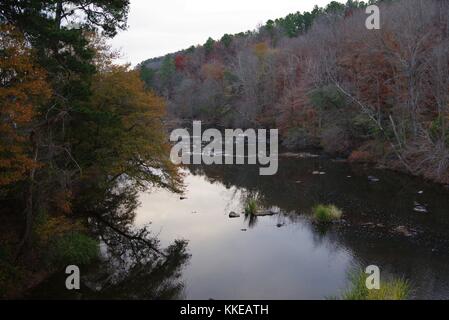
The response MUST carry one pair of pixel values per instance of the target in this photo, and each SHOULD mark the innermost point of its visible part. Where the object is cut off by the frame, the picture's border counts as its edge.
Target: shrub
(74, 248)
(326, 213)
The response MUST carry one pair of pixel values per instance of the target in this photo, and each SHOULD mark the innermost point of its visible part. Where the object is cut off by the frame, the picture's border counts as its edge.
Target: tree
(58, 32)
(209, 46)
(23, 88)
(226, 40)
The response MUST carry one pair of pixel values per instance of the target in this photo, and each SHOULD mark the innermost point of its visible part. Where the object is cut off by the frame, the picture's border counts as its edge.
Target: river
(286, 256)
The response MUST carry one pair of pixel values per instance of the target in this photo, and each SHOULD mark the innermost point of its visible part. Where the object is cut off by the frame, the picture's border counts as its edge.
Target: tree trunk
(29, 217)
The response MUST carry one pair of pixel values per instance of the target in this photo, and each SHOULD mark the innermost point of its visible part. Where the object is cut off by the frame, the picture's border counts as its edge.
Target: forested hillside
(327, 81)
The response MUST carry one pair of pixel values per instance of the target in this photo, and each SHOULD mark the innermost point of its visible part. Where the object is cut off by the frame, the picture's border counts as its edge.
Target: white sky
(165, 26)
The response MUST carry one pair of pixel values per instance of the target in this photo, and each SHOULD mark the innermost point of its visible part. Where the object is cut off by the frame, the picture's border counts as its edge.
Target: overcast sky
(164, 26)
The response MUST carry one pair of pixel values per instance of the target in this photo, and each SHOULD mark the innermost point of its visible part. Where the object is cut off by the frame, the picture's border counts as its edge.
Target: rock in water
(404, 231)
(233, 214)
(420, 208)
(275, 210)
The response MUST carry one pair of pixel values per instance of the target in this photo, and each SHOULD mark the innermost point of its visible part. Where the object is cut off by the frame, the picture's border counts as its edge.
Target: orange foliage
(213, 71)
(23, 87)
(261, 49)
(360, 156)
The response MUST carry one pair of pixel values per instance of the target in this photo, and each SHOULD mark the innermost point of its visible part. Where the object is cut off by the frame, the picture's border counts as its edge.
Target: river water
(286, 256)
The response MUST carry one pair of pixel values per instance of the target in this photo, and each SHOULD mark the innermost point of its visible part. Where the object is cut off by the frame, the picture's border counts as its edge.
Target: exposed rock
(403, 230)
(302, 155)
(280, 225)
(274, 210)
(420, 208)
(182, 198)
(244, 230)
(263, 213)
(233, 214)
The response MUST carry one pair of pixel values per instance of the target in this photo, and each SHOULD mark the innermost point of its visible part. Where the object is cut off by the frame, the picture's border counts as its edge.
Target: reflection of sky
(265, 262)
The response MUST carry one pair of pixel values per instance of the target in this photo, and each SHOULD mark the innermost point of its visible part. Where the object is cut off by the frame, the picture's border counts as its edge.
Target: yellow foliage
(52, 227)
(261, 49)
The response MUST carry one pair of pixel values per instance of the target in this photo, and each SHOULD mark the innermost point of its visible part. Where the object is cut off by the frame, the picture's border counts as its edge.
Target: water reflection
(285, 256)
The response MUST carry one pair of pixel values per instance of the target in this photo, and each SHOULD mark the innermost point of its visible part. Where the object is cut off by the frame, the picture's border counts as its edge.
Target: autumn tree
(23, 88)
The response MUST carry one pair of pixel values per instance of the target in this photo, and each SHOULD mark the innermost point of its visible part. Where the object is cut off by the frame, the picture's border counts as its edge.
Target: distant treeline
(325, 80)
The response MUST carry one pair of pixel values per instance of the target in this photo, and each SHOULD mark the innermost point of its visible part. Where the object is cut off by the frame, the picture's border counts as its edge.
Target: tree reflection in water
(132, 264)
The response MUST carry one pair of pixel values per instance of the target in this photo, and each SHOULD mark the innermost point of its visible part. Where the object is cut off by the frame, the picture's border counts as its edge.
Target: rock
(420, 192)
(244, 230)
(274, 210)
(403, 230)
(315, 172)
(280, 225)
(264, 213)
(322, 173)
(182, 198)
(373, 179)
(233, 214)
(349, 177)
(303, 155)
(420, 208)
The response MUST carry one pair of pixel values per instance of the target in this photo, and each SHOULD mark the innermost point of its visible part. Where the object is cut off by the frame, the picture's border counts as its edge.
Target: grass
(326, 213)
(395, 289)
(251, 207)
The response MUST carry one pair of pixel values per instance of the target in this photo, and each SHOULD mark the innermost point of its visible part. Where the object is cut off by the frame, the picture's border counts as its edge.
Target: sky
(158, 27)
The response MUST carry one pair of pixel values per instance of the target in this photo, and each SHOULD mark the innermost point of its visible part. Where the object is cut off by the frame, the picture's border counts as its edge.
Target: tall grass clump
(251, 206)
(326, 213)
(394, 289)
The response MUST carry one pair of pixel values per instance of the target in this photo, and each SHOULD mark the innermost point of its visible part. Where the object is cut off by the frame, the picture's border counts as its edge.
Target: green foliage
(326, 213)
(209, 46)
(147, 75)
(395, 289)
(251, 206)
(167, 70)
(439, 130)
(73, 248)
(327, 97)
(10, 274)
(226, 40)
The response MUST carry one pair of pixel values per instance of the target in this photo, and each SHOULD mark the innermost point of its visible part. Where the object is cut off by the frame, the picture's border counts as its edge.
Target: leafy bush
(326, 213)
(74, 248)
